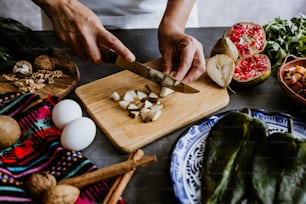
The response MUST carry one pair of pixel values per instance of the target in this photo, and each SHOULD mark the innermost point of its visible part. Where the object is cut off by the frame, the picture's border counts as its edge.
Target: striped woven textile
(39, 149)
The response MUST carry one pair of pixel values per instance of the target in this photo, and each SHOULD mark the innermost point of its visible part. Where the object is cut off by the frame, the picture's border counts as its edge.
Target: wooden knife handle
(108, 55)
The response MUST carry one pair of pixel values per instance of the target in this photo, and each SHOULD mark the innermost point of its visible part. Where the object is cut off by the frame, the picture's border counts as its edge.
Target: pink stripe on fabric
(15, 199)
(24, 105)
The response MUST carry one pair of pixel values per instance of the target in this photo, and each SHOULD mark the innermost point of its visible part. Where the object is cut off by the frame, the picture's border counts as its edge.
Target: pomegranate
(249, 38)
(252, 70)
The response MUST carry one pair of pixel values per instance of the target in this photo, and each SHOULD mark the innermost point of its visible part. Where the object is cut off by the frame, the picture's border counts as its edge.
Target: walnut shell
(22, 68)
(61, 193)
(38, 183)
(44, 62)
(9, 131)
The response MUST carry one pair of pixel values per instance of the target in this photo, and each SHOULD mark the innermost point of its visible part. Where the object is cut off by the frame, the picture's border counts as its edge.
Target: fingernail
(131, 58)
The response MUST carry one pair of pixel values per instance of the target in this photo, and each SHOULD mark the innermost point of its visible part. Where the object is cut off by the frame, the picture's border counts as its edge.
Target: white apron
(128, 14)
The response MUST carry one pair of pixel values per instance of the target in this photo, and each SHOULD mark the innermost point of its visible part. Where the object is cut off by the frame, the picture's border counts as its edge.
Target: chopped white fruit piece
(141, 95)
(147, 104)
(144, 113)
(167, 81)
(134, 114)
(165, 91)
(147, 89)
(156, 75)
(142, 103)
(156, 107)
(150, 115)
(130, 95)
(133, 106)
(177, 82)
(115, 96)
(124, 104)
(154, 115)
(153, 97)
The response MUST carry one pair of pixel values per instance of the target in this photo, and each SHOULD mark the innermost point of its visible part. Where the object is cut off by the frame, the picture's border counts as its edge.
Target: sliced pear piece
(141, 95)
(124, 104)
(134, 114)
(165, 91)
(153, 97)
(154, 115)
(220, 68)
(156, 107)
(144, 112)
(115, 96)
(133, 107)
(167, 81)
(148, 115)
(225, 46)
(130, 95)
(144, 103)
(147, 104)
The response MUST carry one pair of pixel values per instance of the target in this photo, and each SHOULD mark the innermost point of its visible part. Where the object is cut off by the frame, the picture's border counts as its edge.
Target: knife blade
(109, 56)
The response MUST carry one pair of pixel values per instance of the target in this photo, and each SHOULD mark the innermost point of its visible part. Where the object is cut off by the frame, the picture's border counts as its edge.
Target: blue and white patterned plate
(188, 152)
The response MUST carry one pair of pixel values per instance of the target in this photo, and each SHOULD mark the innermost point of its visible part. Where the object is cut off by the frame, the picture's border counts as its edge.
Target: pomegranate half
(252, 70)
(249, 38)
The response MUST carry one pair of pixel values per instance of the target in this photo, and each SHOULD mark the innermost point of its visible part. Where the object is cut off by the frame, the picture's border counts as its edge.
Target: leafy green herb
(4, 55)
(285, 36)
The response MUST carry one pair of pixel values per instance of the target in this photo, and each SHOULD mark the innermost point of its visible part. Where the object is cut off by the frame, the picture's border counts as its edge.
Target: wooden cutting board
(128, 134)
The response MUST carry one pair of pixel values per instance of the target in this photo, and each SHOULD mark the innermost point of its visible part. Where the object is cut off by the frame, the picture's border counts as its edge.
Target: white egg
(78, 134)
(65, 111)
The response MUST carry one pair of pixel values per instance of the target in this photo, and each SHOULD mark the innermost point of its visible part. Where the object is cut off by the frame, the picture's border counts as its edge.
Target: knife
(147, 72)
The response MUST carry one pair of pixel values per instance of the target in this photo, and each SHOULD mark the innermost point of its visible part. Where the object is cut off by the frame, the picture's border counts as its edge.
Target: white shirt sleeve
(129, 14)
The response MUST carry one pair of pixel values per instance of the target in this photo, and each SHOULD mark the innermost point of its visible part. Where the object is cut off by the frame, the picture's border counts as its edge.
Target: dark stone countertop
(152, 184)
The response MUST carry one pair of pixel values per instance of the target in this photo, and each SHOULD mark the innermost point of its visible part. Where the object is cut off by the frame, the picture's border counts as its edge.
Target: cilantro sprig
(285, 36)
(4, 55)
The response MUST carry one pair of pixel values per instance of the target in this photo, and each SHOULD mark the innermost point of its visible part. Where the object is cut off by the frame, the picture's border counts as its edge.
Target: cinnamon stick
(121, 182)
(108, 172)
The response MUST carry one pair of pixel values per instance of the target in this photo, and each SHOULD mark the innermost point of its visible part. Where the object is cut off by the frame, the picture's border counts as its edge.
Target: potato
(9, 131)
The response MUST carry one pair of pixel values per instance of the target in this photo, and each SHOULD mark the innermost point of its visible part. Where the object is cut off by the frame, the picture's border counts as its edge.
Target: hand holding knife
(147, 72)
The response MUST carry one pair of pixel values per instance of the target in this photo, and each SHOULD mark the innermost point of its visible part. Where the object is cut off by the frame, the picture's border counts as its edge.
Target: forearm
(50, 6)
(176, 15)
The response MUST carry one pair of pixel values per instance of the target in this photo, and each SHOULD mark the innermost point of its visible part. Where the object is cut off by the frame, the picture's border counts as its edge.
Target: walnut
(38, 183)
(61, 193)
(10, 77)
(22, 68)
(44, 62)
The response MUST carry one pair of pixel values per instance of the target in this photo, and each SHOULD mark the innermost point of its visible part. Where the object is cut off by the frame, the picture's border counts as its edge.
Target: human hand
(79, 29)
(184, 54)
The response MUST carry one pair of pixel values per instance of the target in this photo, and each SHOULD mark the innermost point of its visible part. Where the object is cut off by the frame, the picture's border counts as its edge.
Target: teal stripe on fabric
(75, 171)
(12, 189)
(38, 160)
(37, 125)
(20, 98)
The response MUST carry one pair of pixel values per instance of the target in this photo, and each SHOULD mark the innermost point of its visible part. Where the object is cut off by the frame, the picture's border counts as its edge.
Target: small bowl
(289, 62)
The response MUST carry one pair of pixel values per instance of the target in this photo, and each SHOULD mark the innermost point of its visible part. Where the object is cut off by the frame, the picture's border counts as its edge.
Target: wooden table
(152, 184)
